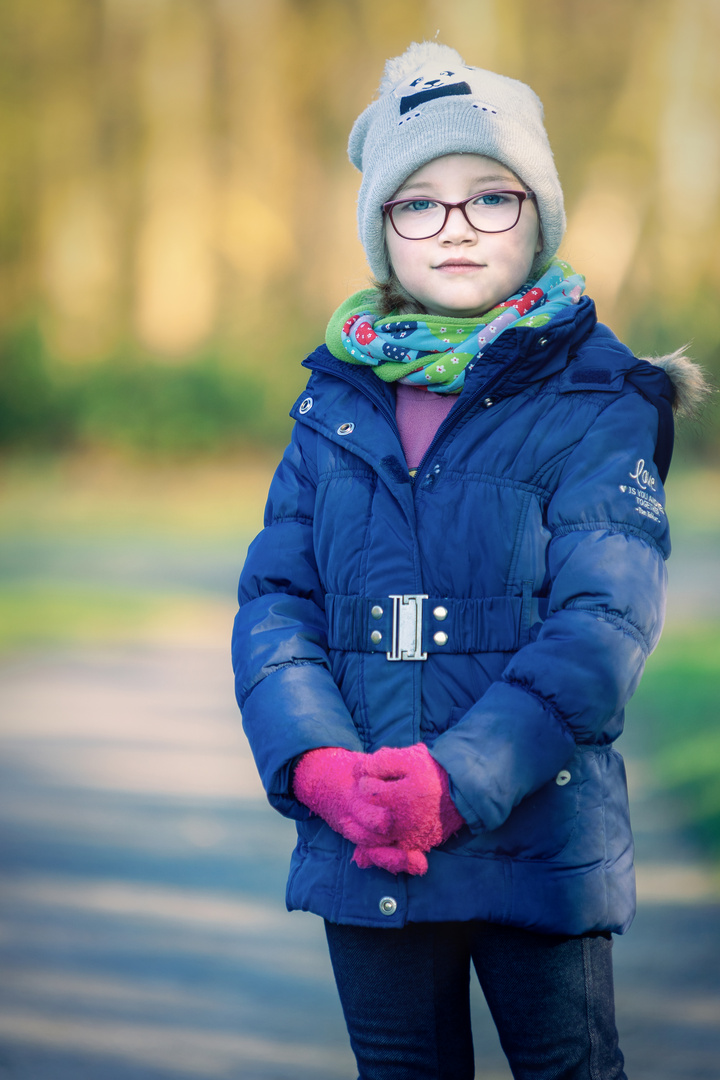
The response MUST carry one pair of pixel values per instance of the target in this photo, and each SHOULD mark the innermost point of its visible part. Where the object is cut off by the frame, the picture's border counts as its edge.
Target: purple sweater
(419, 413)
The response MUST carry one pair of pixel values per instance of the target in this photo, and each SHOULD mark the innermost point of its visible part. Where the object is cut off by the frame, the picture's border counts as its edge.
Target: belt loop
(526, 613)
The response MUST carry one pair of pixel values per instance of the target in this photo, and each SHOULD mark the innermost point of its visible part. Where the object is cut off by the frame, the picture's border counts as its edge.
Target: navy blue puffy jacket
(536, 524)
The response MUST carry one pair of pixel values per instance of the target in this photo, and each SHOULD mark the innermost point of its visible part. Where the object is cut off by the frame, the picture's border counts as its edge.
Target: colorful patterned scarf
(434, 350)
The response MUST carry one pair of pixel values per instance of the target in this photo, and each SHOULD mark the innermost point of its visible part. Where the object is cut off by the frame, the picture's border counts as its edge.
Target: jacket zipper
(448, 423)
(456, 414)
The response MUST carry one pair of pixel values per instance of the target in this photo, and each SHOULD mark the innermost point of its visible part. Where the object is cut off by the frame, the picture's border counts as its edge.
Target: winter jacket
(499, 607)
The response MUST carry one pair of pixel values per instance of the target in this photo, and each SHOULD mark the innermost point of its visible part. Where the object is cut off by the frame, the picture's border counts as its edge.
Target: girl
(459, 580)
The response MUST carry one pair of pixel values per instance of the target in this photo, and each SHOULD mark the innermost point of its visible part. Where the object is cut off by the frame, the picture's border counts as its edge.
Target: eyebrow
(427, 185)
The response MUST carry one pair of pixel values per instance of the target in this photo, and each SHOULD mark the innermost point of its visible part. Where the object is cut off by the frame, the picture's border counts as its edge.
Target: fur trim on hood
(690, 384)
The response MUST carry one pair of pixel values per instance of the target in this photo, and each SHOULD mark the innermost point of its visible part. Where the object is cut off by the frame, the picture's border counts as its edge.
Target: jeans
(405, 997)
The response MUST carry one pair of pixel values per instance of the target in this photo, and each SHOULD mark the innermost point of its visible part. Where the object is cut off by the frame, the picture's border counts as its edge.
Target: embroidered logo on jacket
(644, 478)
(645, 503)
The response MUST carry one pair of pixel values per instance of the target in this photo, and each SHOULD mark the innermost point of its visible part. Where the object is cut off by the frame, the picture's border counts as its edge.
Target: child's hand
(395, 859)
(410, 785)
(394, 804)
(326, 781)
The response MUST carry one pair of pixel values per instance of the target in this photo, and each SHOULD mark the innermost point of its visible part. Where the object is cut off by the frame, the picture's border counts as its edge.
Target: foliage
(137, 403)
(167, 194)
(34, 411)
(678, 702)
(132, 403)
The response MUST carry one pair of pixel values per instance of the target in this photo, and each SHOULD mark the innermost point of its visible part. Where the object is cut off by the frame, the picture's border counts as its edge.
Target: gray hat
(430, 104)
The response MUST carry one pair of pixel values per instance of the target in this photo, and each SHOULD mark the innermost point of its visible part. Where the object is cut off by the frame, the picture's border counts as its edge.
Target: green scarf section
(434, 351)
(360, 303)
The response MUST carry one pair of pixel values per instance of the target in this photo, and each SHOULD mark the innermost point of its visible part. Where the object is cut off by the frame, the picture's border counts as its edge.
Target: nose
(457, 229)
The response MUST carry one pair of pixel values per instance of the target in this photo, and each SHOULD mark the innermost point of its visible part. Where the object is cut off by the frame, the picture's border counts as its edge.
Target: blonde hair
(394, 299)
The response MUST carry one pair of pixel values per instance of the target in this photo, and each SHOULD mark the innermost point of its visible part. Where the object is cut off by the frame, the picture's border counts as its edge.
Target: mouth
(458, 266)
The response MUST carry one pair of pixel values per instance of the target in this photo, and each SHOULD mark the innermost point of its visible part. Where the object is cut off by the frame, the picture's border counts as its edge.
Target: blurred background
(178, 208)
(177, 223)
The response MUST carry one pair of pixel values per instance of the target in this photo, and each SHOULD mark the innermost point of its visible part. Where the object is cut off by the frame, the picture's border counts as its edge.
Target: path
(143, 933)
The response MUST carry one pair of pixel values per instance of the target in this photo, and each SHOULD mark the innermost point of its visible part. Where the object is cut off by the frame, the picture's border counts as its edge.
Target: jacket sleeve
(608, 541)
(290, 703)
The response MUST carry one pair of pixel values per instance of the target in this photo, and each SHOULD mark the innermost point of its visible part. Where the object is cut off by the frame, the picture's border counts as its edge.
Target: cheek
(535, 241)
(518, 250)
(529, 243)
(399, 253)
(391, 245)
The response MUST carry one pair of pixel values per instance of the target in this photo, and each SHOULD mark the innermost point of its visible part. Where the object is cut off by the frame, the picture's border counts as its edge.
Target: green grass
(37, 614)
(96, 495)
(678, 702)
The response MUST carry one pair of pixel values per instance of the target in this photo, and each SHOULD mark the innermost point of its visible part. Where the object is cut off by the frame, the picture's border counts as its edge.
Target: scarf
(435, 351)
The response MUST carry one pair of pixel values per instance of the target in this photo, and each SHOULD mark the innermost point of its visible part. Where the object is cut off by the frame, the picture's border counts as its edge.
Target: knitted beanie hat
(430, 104)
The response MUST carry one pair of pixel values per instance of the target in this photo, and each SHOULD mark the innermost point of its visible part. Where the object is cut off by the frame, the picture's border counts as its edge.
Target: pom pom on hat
(398, 68)
(431, 103)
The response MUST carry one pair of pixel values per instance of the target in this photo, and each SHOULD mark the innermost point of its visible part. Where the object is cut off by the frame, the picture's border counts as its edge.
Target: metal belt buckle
(407, 627)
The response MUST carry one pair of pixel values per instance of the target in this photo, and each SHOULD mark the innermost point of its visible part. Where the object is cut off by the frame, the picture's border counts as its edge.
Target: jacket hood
(690, 385)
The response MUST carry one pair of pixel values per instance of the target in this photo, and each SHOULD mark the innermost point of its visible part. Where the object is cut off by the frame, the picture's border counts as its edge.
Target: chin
(465, 307)
(464, 311)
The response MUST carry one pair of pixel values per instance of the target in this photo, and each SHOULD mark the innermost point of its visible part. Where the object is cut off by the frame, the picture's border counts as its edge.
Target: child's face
(462, 272)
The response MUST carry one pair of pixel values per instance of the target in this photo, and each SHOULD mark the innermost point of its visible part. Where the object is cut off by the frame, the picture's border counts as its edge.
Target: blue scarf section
(436, 350)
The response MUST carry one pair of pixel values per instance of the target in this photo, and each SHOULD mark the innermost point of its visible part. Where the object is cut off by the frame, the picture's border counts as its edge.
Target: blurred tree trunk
(175, 179)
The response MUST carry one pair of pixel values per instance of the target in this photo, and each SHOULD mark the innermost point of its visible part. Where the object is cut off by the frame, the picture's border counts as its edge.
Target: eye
(492, 198)
(415, 206)
(447, 73)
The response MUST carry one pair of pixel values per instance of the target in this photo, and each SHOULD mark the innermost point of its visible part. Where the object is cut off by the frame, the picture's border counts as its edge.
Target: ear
(540, 242)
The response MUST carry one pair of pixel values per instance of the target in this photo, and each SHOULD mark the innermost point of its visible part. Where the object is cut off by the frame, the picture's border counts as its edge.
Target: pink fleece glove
(410, 784)
(326, 781)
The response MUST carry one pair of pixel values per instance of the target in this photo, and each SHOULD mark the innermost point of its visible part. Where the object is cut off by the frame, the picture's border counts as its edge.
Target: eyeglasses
(486, 211)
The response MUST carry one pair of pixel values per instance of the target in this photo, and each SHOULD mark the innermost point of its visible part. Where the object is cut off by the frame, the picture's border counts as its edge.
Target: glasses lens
(417, 219)
(493, 211)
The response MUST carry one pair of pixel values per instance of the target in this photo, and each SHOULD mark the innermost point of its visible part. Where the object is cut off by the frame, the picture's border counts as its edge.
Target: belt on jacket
(410, 626)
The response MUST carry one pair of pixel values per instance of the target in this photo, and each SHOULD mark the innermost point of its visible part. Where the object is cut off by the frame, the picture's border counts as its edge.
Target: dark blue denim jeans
(406, 999)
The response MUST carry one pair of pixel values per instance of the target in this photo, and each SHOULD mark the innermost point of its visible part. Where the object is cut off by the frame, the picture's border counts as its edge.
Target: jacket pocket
(431, 733)
(314, 834)
(541, 826)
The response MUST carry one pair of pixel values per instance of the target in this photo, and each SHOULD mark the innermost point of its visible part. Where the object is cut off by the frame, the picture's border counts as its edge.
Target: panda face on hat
(430, 84)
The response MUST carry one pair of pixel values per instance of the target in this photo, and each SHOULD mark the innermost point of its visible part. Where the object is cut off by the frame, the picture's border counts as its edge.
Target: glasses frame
(521, 196)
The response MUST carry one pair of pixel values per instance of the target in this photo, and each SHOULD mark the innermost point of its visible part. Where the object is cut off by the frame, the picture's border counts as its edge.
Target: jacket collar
(531, 354)
(515, 360)
(523, 356)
